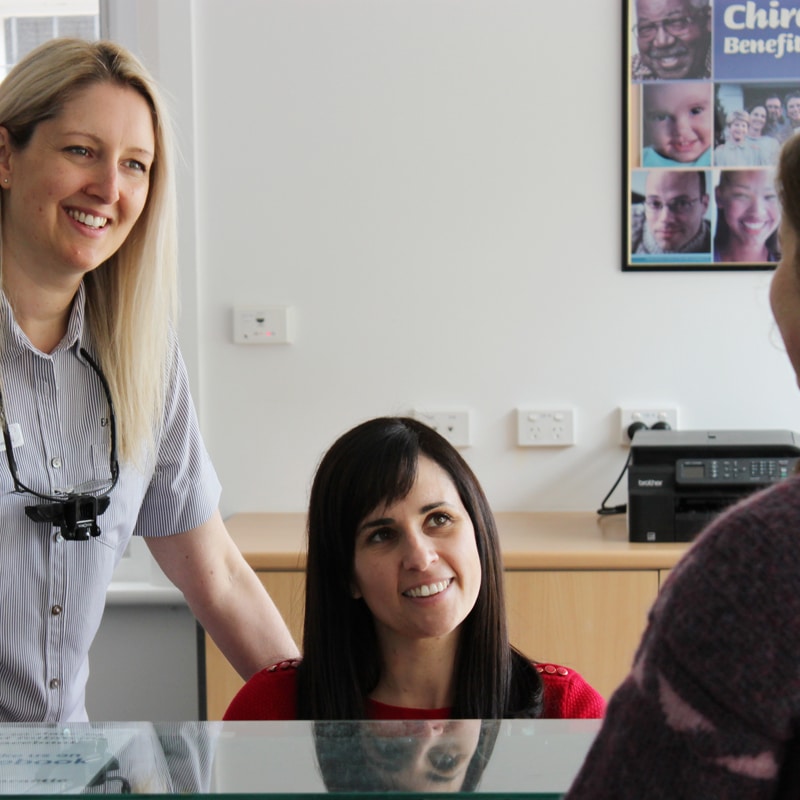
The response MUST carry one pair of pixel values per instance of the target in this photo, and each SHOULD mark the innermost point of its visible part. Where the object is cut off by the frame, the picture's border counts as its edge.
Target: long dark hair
(376, 463)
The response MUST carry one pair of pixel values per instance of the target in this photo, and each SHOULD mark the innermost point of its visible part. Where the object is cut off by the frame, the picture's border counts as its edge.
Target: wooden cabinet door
(588, 620)
(287, 590)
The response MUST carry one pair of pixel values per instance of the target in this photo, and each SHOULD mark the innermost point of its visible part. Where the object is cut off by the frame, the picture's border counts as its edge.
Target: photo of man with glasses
(673, 38)
(672, 217)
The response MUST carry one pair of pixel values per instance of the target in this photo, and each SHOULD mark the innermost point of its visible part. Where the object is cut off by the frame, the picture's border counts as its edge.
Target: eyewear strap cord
(97, 504)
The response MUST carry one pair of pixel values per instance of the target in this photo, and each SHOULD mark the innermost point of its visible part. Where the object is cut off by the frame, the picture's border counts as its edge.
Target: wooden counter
(577, 591)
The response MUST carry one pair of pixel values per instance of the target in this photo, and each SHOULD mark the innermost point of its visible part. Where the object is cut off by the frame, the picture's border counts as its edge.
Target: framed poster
(712, 90)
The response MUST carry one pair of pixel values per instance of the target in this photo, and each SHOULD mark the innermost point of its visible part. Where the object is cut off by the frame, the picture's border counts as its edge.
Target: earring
(5, 180)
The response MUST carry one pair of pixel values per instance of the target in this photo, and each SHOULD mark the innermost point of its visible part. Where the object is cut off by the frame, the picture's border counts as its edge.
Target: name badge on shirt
(16, 437)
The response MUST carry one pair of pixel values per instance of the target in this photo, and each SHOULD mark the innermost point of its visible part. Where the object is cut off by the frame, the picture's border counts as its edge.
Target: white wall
(434, 185)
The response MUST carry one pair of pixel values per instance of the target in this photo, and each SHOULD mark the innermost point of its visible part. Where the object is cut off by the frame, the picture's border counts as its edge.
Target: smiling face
(738, 130)
(678, 119)
(758, 119)
(74, 192)
(750, 204)
(677, 54)
(416, 563)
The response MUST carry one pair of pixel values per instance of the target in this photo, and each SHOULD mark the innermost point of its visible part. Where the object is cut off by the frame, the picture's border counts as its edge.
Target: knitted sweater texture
(711, 708)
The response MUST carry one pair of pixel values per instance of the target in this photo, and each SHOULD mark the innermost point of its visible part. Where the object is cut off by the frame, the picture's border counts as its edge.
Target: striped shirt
(52, 591)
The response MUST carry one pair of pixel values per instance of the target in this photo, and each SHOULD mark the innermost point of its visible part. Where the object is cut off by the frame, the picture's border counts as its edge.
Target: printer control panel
(732, 471)
(680, 481)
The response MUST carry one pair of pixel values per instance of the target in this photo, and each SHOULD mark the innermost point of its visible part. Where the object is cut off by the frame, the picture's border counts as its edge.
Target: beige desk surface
(530, 540)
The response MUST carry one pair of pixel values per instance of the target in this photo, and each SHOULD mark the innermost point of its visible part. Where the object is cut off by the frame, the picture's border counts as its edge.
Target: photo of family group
(708, 108)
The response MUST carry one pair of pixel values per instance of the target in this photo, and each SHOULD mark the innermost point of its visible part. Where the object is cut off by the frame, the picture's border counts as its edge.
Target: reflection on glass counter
(404, 756)
(533, 758)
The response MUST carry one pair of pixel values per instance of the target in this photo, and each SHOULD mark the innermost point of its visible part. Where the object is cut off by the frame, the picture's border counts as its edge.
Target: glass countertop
(499, 759)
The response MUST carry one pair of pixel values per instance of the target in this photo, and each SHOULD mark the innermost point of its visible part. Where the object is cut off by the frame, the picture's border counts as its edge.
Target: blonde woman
(100, 434)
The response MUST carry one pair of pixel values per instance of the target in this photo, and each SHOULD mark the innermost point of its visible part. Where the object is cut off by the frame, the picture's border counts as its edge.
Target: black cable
(604, 510)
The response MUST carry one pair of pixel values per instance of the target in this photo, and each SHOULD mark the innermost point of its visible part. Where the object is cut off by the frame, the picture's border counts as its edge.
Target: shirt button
(55, 463)
(56, 610)
(55, 683)
(549, 669)
(58, 537)
(562, 671)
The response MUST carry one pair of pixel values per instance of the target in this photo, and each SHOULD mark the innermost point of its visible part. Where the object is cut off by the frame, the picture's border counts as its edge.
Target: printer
(678, 481)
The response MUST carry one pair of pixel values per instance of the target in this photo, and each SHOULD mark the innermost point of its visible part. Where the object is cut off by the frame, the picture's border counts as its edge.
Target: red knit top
(272, 694)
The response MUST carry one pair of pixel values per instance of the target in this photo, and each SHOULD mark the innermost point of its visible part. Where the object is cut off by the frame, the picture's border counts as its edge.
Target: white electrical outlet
(649, 416)
(453, 425)
(552, 427)
(263, 324)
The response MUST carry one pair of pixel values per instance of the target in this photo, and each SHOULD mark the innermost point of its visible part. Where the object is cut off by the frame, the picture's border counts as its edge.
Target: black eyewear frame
(75, 513)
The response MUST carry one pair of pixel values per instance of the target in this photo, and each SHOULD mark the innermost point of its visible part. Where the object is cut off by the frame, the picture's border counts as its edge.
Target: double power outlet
(545, 427)
(647, 416)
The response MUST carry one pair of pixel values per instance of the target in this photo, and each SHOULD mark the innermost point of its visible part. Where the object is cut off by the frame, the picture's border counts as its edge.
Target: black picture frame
(698, 194)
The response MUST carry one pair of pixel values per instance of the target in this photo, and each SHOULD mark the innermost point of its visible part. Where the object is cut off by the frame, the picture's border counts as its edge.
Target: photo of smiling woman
(748, 217)
(404, 608)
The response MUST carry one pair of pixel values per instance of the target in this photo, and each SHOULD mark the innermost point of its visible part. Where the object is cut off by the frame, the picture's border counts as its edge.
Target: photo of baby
(677, 123)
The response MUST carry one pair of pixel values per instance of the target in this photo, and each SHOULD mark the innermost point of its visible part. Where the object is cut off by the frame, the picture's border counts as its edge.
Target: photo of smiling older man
(673, 38)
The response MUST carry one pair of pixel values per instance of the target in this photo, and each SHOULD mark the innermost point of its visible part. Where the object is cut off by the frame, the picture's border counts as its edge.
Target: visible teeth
(88, 219)
(427, 591)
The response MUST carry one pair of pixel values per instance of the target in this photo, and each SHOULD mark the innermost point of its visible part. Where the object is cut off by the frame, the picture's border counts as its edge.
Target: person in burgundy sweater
(711, 708)
(404, 608)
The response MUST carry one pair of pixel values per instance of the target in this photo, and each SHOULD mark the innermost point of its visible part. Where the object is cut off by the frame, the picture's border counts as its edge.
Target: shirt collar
(16, 342)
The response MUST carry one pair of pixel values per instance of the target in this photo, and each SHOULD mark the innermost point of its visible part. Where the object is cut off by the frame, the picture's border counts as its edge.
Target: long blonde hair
(131, 299)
